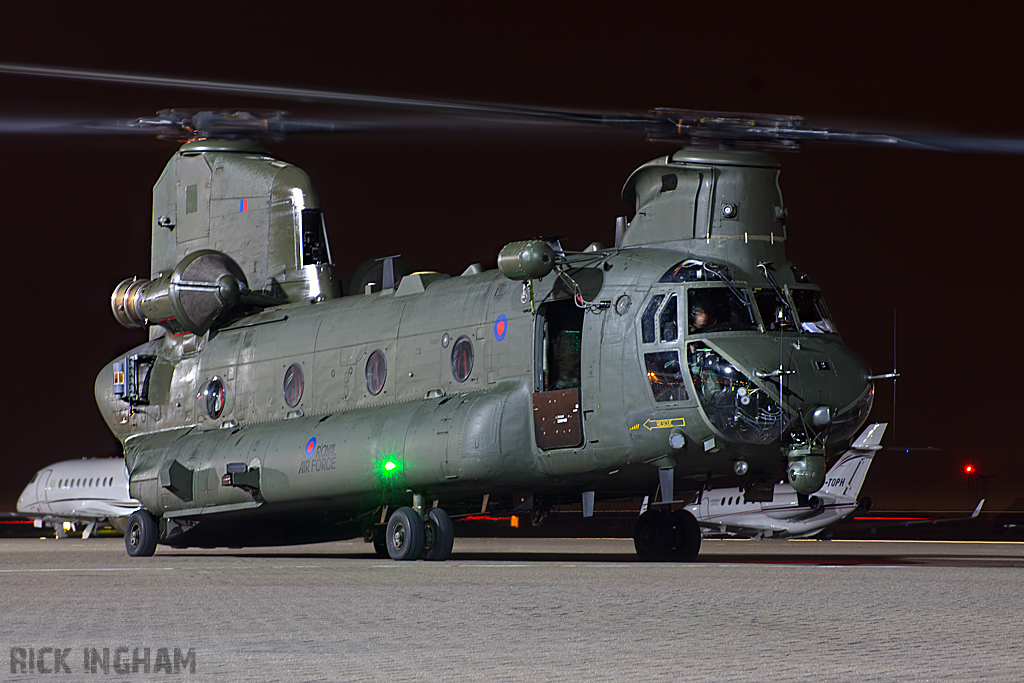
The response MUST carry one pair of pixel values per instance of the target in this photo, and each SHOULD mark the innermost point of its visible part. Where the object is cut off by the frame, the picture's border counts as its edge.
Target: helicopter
(268, 408)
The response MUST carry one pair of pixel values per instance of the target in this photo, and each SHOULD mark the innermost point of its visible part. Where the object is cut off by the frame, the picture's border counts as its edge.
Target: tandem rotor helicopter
(268, 408)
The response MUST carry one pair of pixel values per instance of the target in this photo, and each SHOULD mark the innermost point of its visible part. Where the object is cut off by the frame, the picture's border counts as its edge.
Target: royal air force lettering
(319, 457)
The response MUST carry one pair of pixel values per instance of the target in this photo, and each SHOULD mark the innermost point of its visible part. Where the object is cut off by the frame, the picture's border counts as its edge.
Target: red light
(968, 469)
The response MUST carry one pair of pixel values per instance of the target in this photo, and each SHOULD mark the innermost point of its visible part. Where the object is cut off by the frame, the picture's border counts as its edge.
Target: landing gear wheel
(686, 536)
(140, 536)
(652, 536)
(440, 534)
(404, 536)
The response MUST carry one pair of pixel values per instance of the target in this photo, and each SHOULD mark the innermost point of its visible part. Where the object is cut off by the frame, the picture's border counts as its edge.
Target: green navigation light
(388, 466)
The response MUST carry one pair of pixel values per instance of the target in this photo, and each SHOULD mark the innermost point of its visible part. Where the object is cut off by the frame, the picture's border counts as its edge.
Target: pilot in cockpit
(701, 317)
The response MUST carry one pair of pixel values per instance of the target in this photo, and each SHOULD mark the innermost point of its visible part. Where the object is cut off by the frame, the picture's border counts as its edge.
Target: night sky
(936, 237)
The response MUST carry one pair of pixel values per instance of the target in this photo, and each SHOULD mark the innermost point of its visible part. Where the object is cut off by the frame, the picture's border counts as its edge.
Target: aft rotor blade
(51, 126)
(324, 96)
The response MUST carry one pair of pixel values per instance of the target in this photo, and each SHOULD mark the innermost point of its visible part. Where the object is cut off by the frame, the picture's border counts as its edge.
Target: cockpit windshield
(717, 309)
(736, 406)
(813, 314)
(775, 312)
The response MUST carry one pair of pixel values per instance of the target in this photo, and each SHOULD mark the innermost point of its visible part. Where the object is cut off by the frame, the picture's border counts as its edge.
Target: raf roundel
(311, 447)
(500, 327)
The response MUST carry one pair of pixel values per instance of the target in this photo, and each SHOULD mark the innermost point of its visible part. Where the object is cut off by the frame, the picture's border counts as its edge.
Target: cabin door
(41, 481)
(557, 418)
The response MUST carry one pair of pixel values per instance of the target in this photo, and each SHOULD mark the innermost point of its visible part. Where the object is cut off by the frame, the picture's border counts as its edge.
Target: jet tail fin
(847, 475)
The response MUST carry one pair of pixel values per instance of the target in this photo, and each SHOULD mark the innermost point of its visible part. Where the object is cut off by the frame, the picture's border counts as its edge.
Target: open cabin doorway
(558, 368)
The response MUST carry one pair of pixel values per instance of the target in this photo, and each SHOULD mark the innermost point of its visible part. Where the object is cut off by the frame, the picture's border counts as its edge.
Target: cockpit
(694, 309)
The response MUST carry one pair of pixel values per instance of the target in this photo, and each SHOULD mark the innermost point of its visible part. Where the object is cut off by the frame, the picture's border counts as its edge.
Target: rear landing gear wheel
(652, 536)
(440, 534)
(405, 534)
(686, 536)
(140, 536)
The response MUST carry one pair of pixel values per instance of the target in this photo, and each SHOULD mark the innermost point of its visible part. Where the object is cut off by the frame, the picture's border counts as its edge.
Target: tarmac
(514, 610)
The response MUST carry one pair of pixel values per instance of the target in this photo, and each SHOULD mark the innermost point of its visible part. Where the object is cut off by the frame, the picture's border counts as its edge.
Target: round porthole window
(462, 359)
(215, 394)
(376, 372)
(293, 385)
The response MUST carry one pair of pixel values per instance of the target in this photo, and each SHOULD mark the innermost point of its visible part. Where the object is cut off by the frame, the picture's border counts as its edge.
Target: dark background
(935, 237)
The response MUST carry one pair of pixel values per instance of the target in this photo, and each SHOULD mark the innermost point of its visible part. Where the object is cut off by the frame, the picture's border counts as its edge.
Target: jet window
(34, 477)
(215, 393)
(717, 309)
(811, 309)
(665, 376)
(462, 359)
(648, 318)
(376, 372)
(293, 385)
(775, 313)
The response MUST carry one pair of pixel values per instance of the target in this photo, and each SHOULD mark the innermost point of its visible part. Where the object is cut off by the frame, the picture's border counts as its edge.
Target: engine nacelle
(202, 288)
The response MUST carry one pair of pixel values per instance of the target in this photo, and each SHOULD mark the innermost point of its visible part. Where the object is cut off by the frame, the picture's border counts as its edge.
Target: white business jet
(90, 491)
(790, 515)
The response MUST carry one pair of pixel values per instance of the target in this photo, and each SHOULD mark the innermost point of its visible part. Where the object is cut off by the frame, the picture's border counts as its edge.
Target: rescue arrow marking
(665, 424)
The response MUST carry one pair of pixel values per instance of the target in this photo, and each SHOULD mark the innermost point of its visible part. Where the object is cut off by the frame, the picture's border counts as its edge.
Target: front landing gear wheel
(141, 535)
(652, 536)
(685, 536)
(440, 534)
(405, 534)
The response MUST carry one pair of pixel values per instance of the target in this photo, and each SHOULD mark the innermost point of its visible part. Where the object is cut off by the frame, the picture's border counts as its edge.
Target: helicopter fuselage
(349, 404)
(692, 347)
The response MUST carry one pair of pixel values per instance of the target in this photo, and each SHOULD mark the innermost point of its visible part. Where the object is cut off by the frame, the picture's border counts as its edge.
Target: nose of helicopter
(819, 378)
(828, 374)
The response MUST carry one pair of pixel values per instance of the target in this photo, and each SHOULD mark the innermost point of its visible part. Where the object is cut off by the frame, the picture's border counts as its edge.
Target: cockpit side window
(665, 376)
(813, 314)
(669, 318)
(647, 320)
(717, 309)
(775, 313)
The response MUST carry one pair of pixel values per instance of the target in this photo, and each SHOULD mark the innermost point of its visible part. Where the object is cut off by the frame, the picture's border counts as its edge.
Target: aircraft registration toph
(273, 405)
(90, 491)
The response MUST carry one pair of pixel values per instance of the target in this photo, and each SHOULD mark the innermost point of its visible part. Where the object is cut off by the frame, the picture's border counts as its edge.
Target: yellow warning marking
(665, 424)
(635, 427)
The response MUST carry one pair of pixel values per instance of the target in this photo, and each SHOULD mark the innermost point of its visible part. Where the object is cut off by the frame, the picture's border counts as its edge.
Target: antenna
(894, 442)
